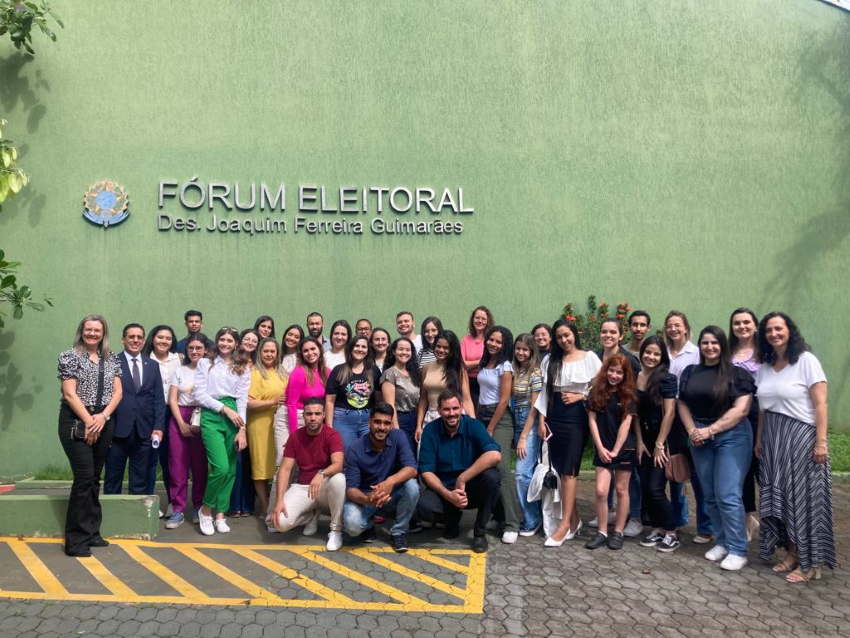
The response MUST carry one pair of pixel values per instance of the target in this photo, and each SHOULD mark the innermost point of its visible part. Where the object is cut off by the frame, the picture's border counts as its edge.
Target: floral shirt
(77, 365)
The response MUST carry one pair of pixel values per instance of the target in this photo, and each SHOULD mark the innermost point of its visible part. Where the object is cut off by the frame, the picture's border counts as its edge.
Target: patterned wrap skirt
(795, 497)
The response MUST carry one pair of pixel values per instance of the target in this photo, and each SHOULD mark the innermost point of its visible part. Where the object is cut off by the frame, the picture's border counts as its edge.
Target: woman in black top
(714, 399)
(352, 390)
(91, 389)
(656, 391)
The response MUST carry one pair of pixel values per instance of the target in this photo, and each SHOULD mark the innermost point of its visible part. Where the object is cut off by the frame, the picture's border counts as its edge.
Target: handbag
(677, 469)
(550, 480)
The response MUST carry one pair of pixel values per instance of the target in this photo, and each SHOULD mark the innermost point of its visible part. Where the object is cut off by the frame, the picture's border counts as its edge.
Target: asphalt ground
(251, 583)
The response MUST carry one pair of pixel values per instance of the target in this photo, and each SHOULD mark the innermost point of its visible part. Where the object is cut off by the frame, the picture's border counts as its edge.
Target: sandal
(799, 576)
(789, 564)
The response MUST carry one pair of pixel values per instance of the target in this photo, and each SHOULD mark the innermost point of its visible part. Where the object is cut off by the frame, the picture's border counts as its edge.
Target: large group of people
(417, 428)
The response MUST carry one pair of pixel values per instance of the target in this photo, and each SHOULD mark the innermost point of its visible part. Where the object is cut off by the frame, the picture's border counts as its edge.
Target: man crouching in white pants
(317, 450)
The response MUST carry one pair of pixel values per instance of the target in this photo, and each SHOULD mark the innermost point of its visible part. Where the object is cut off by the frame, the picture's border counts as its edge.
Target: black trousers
(481, 492)
(653, 484)
(137, 451)
(82, 523)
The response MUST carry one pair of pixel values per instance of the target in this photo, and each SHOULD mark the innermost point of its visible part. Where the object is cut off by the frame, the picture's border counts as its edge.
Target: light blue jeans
(356, 519)
(351, 425)
(722, 465)
(532, 514)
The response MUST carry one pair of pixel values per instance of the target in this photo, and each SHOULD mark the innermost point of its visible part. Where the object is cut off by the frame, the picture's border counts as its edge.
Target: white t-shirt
(787, 391)
(184, 379)
(575, 376)
(333, 360)
(489, 380)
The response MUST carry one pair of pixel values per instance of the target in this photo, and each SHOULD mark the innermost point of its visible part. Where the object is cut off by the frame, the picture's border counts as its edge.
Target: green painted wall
(676, 154)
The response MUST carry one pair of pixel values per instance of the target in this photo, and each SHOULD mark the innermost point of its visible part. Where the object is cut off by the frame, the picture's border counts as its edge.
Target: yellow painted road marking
(392, 566)
(229, 575)
(38, 570)
(429, 557)
(342, 570)
(203, 554)
(107, 578)
(173, 580)
(309, 584)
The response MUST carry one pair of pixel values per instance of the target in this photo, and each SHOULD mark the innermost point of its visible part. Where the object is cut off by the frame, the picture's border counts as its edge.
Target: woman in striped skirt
(794, 474)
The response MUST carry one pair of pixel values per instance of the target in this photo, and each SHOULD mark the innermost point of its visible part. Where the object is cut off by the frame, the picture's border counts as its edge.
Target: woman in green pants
(221, 388)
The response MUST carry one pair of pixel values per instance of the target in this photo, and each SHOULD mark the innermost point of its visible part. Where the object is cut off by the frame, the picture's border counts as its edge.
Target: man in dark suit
(138, 416)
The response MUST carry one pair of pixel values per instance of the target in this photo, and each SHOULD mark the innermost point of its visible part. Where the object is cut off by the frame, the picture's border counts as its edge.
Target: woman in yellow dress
(266, 394)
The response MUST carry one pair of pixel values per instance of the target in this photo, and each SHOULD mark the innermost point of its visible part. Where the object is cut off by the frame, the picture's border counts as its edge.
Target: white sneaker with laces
(634, 528)
(206, 523)
(221, 526)
(716, 553)
(733, 563)
(509, 538)
(334, 541)
(312, 525)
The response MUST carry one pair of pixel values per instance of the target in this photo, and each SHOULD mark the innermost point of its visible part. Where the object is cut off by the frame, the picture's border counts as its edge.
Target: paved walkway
(286, 585)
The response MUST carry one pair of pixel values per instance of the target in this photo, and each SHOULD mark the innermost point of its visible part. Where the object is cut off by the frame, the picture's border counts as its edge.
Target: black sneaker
(479, 544)
(653, 539)
(451, 533)
(615, 541)
(668, 545)
(369, 535)
(400, 545)
(600, 540)
(414, 527)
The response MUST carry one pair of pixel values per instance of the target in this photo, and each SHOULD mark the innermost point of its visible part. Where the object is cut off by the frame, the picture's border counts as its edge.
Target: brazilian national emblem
(106, 204)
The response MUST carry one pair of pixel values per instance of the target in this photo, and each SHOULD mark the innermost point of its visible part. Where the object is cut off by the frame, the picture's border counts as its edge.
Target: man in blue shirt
(380, 474)
(457, 462)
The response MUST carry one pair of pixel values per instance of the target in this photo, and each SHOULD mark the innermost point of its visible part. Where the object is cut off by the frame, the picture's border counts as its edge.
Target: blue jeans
(351, 424)
(407, 424)
(532, 514)
(356, 519)
(679, 502)
(722, 465)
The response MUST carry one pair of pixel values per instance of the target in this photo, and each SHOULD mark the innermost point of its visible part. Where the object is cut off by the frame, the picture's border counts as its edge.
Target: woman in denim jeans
(714, 399)
(528, 381)
(351, 391)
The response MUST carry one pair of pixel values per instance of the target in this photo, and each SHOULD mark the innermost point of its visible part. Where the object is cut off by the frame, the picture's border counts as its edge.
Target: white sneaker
(334, 541)
(634, 528)
(733, 562)
(161, 515)
(206, 523)
(509, 538)
(716, 553)
(221, 526)
(529, 532)
(312, 525)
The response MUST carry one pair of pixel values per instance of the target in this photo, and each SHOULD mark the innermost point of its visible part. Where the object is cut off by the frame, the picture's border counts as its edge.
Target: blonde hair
(103, 347)
(264, 371)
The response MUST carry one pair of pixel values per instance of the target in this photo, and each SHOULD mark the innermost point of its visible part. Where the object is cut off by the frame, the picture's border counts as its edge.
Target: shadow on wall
(14, 396)
(824, 67)
(16, 88)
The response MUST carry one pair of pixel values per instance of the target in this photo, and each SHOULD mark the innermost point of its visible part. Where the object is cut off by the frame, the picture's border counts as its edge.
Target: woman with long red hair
(612, 405)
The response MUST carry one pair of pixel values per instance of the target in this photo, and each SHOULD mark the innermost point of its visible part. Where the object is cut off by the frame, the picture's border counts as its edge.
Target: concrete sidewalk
(528, 590)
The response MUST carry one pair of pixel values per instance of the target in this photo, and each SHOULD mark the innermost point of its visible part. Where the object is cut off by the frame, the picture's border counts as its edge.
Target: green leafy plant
(12, 177)
(12, 180)
(18, 19)
(589, 322)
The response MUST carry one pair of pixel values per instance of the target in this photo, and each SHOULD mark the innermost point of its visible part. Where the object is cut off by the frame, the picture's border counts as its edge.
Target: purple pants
(183, 454)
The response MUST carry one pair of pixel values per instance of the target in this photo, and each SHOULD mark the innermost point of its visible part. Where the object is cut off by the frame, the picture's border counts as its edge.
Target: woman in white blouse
(221, 389)
(567, 378)
(186, 450)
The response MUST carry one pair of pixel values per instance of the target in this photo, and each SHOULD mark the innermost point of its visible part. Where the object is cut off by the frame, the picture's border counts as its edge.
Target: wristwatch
(321, 472)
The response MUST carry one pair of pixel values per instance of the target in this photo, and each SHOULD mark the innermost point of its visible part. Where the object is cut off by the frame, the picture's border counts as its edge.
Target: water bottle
(155, 440)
